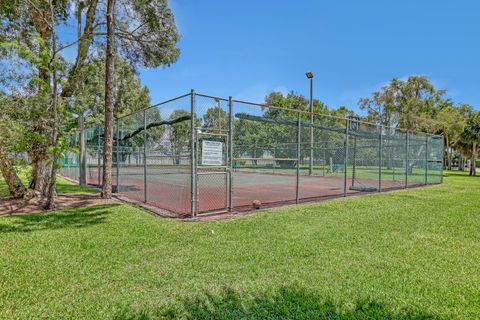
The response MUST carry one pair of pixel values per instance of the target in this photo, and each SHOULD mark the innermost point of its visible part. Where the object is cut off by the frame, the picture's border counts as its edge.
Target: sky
(248, 48)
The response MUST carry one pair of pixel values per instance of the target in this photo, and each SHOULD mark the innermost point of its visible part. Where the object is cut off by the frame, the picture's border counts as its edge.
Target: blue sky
(248, 48)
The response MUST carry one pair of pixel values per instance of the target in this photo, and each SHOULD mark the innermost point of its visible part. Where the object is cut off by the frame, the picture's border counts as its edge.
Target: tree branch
(84, 43)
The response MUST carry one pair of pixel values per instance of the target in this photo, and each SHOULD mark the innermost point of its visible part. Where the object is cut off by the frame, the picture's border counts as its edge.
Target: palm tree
(470, 139)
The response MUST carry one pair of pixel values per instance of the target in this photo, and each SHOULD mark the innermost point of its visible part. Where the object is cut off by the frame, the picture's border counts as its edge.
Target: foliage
(471, 132)
(415, 104)
(470, 138)
(277, 136)
(407, 104)
(179, 135)
(64, 186)
(33, 68)
(215, 118)
(89, 98)
(147, 32)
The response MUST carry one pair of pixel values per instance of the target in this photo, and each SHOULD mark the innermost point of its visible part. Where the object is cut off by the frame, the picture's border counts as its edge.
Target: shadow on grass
(65, 186)
(454, 173)
(285, 303)
(71, 218)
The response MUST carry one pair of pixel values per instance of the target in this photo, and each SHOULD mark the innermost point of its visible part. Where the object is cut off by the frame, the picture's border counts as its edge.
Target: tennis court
(198, 154)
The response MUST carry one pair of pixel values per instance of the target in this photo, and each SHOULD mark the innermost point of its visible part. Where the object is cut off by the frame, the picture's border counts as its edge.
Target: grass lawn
(405, 255)
(63, 185)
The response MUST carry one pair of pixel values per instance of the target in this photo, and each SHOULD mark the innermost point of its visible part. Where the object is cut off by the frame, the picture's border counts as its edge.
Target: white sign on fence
(212, 153)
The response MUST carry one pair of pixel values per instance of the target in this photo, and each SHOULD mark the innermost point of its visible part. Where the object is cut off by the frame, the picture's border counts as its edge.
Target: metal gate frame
(199, 170)
(204, 171)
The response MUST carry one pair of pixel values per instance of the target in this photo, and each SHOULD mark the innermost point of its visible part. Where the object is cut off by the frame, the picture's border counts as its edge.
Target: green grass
(63, 185)
(405, 255)
(417, 175)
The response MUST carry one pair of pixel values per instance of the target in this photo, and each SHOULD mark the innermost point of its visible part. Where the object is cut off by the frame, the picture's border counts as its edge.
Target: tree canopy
(49, 92)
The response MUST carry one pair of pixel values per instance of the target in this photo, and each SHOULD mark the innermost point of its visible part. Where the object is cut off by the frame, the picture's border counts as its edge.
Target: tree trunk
(82, 179)
(52, 183)
(52, 187)
(15, 185)
(83, 152)
(460, 162)
(449, 160)
(40, 16)
(473, 165)
(449, 154)
(109, 102)
(39, 170)
(84, 43)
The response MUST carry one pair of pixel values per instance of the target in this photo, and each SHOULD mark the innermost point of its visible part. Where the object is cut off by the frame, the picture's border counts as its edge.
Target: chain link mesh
(188, 156)
(211, 150)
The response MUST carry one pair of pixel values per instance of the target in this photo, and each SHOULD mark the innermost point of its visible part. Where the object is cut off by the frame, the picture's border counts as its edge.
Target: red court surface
(173, 192)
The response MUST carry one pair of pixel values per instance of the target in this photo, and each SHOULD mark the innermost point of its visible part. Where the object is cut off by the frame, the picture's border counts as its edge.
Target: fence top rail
(263, 105)
(154, 106)
(211, 97)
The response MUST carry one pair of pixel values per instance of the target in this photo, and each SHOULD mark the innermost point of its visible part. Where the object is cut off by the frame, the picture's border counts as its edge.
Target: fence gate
(211, 172)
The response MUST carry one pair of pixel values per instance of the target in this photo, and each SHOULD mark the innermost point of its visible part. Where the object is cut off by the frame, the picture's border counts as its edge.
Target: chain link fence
(199, 154)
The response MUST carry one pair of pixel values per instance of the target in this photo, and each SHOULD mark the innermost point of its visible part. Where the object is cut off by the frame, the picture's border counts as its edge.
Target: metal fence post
(145, 154)
(406, 159)
(354, 165)
(380, 159)
(310, 166)
(255, 155)
(118, 152)
(347, 123)
(298, 158)
(83, 153)
(426, 160)
(230, 154)
(99, 158)
(192, 153)
(443, 157)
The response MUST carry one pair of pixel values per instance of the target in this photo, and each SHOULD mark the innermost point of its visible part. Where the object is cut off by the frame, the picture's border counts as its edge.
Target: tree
(88, 100)
(15, 185)
(10, 133)
(109, 101)
(471, 138)
(215, 119)
(450, 123)
(147, 36)
(408, 104)
(274, 131)
(29, 27)
(179, 135)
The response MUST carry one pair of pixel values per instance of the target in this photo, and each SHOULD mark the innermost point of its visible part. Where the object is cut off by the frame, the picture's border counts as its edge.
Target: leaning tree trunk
(109, 102)
(15, 185)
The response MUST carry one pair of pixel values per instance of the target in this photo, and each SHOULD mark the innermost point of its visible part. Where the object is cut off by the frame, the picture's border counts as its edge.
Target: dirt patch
(9, 206)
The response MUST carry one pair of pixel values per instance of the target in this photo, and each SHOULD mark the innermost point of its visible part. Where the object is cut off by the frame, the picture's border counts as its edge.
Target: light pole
(310, 166)
(219, 110)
